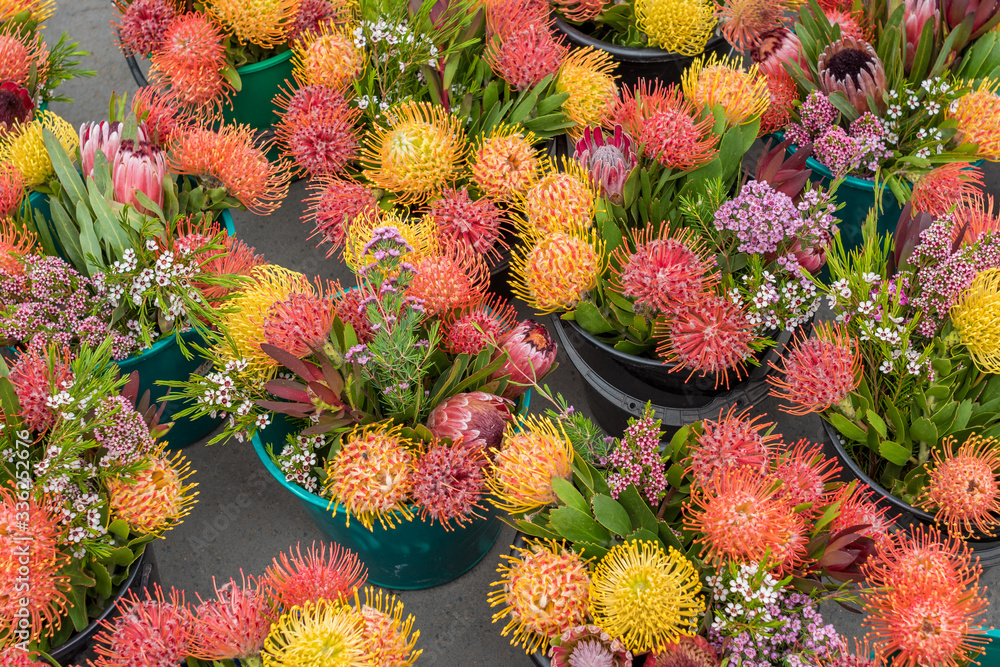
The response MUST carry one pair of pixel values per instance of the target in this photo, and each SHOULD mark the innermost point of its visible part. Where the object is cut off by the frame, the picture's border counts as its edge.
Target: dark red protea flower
(608, 160)
(478, 327)
(317, 130)
(529, 353)
(16, 106)
(475, 222)
(985, 16)
(334, 205)
(711, 335)
(142, 24)
(448, 484)
(475, 419)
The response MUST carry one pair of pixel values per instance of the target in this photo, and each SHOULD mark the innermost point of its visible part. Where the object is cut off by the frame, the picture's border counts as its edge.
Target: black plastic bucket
(645, 63)
(902, 513)
(77, 650)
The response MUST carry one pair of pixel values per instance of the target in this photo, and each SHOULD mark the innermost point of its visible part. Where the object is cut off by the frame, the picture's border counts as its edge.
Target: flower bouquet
(86, 487)
(716, 549)
(380, 401)
(307, 609)
(907, 375)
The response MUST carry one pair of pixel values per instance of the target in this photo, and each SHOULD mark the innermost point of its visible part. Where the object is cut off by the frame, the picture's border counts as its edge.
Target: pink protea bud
(105, 136)
(476, 418)
(530, 352)
(916, 13)
(139, 167)
(608, 159)
(811, 259)
(686, 651)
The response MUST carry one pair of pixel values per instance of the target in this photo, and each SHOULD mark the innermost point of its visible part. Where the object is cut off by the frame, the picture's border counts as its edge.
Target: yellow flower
(25, 148)
(645, 596)
(154, 499)
(420, 233)
(534, 451)
(587, 76)
(421, 151)
(505, 163)
(977, 318)
(558, 271)
(743, 94)
(682, 26)
(329, 58)
(320, 634)
(41, 10)
(260, 22)
(559, 201)
(978, 116)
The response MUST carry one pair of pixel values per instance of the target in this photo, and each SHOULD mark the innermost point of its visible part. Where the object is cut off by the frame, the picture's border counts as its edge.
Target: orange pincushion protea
(40, 10)
(711, 335)
(11, 189)
(300, 322)
(293, 579)
(327, 58)
(155, 499)
(524, 55)
(534, 451)
(505, 163)
(978, 116)
(739, 517)
(161, 117)
(370, 477)
(545, 590)
(261, 22)
(580, 11)
(230, 158)
(239, 259)
(805, 472)
(22, 54)
(186, 67)
(453, 277)
(587, 76)
(732, 442)
(559, 201)
(784, 93)
(421, 151)
(15, 243)
(744, 21)
(334, 205)
(973, 218)
(31, 564)
(388, 638)
(558, 271)
(743, 94)
(819, 372)
(923, 556)
(941, 189)
(962, 487)
(506, 17)
(37, 377)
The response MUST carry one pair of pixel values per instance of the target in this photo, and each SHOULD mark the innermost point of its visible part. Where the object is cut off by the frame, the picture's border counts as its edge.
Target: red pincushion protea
(151, 631)
(526, 56)
(475, 419)
(962, 486)
(334, 205)
(317, 130)
(31, 565)
(16, 656)
(300, 322)
(637, 103)
(472, 329)
(454, 277)
(235, 624)
(474, 222)
(333, 573)
(11, 193)
(739, 517)
(448, 484)
(819, 372)
(940, 190)
(37, 376)
(231, 158)
(160, 116)
(21, 54)
(141, 25)
(784, 93)
(858, 507)
(349, 308)
(314, 14)
(804, 472)
(16, 107)
(711, 335)
(732, 442)
(186, 68)
(852, 24)
(666, 270)
(238, 259)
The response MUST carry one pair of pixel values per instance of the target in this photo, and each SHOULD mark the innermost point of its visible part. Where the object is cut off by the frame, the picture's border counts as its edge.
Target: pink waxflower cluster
(635, 460)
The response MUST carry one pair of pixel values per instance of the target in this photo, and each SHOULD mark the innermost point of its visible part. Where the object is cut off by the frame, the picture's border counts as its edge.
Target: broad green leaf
(578, 526)
(103, 579)
(68, 176)
(894, 452)
(611, 514)
(847, 428)
(640, 515)
(569, 494)
(591, 319)
(877, 423)
(122, 556)
(119, 527)
(923, 429)
(109, 228)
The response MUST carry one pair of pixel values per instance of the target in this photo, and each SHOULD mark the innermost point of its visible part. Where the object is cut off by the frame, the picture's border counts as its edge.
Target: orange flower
(962, 486)
(978, 117)
(326, 58)
(453, 277)
(922, 557)
(712, 81)
(22, 54)
(973, 218)
(15, 243)
(505, 163)
(587, 76)
(805, 472)
(292, 579)
(947, 186)
(744, 21)
(187, 66)
(732, 442)
(559, 270)
(259, 22)
(334, 205)
(711, 335)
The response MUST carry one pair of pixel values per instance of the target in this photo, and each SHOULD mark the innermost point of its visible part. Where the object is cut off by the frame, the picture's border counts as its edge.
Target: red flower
(940, 190)
(317, 130)
(732, 442)
(526, 56)
(448, 484)
(234, 625)
(475, 222)
(16, 107)
(804, 472)
(153, 631)
(711, 335)
(480, 326)
(322, 574)
(819, 372)
(335, 204)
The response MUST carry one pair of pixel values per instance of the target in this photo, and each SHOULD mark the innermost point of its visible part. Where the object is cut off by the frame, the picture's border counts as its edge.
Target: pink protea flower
(819, 372)
(940, 190)
(475, 222)
(334, 205)
(322, 574)
(916, 13)
(139, 167)
(858, 507)
(665, 271)
(776, 47)
(732, 442)
(526, 56)
(590, 645)
(186, 68)
(37, 376)
(15, 656)
(142, 24)
(685, 652)
(962, 486)
(669, 129)
(154, 631)
(235, 624)
(711, 335)
(529, 352)
(475, 419)
(16, 107)
(805, 472)
(448, 484)
(105, 136)
(608, 160)
(317, 130)
(478, 327)
(300, 322)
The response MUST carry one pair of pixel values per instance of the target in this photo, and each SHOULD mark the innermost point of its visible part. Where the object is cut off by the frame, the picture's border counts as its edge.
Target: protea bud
(16, 106)
(530, 352)
(985, 15)
(915, 16)
(476, 418)
(105, 136)
(139, 167)
(609, 160)
(852, 67)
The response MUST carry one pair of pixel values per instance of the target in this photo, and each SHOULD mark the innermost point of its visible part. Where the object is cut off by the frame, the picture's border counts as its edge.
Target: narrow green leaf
(109, 229)
(69, 235)
(67, 174)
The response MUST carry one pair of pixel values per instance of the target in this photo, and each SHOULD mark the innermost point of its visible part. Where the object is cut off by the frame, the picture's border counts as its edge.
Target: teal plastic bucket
(415, 554)
(254, 103)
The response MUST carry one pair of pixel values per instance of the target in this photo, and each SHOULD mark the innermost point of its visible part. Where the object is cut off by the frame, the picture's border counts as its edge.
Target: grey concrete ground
(244, 517)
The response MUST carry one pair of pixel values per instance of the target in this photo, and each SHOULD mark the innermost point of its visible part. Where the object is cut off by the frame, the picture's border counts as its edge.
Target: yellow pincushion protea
(978, 116)
(682, 26)
(534, 451)
(24, 147)
(328, 58)
(558, 271)
(743, 94)
(154, 499)
(977, 318)
(420, 233)
(260, 22)
(422, 151)
(324, 634)
(41, 10)
(558, 201)
(388, 638)
(545, 590)
(505, 163)
(645, 596)
(587, 76)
